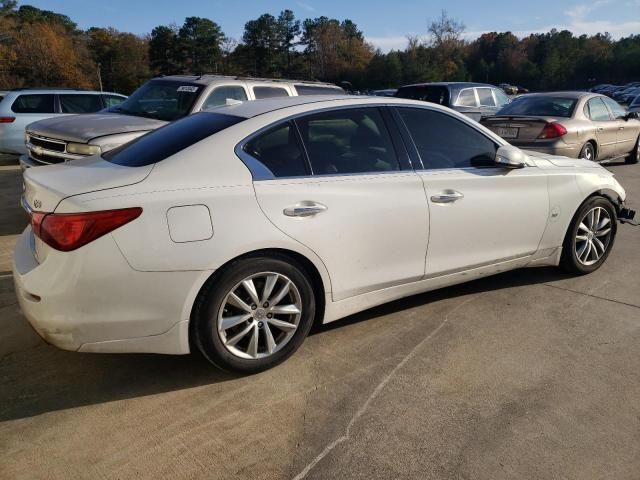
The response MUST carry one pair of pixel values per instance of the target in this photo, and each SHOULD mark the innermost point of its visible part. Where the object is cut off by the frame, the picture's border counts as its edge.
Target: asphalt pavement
(526, 375)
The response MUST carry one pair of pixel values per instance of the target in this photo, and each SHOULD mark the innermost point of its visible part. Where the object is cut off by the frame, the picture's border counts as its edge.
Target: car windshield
(161, 99)
(541, 106)
(636, 101)
(427, 93)
(159, 144)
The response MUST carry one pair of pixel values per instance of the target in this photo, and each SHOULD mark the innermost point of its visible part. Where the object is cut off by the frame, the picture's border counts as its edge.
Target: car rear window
(80, 103)
(34, 103)
(317, 90)
(170, 139)
(541, 106)
(427, 93)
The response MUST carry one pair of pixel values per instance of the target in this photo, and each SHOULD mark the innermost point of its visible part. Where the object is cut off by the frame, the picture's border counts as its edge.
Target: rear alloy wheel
(255, 315)
(588, 152)
(634, 156)
(590, 236)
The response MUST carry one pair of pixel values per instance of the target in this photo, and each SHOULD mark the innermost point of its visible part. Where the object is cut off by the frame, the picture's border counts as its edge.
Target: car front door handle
(601, 129)
(447, 196)
(305, 209)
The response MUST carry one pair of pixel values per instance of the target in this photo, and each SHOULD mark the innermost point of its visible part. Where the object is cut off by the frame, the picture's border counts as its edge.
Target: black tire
(569, 261)
(588, 152)
(634, 156)
(210, 302)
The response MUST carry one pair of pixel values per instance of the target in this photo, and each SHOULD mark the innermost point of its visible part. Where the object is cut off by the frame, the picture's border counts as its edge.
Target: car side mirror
(509, 156)
(632, 115)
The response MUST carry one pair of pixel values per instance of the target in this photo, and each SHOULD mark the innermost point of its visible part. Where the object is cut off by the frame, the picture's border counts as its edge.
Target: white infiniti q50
(233, 231)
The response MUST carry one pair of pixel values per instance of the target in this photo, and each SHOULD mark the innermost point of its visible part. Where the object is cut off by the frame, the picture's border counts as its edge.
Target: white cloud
(581, 10)
(388, 43)
(306, 6)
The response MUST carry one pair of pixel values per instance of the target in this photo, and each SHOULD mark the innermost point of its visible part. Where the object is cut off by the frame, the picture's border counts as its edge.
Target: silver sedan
(573, 124)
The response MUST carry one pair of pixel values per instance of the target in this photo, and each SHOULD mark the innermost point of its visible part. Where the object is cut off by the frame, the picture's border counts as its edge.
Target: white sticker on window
(187, 88)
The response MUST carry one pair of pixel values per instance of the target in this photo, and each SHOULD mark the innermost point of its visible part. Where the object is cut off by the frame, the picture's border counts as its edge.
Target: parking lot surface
(529, 374)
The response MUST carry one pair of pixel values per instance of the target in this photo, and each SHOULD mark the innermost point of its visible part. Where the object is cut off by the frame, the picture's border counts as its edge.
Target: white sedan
(231, 232)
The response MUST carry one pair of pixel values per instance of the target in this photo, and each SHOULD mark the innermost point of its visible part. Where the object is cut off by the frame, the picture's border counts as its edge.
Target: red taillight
(553, 130)
(69, 231)
(7, 119)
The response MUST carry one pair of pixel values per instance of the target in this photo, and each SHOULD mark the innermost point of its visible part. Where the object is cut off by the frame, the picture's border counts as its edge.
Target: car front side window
(486, 97)
(443, 141)
(348, 141)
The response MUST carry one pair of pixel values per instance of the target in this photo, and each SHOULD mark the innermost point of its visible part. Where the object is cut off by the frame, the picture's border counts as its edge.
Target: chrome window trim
(475, 94)
(260, 172)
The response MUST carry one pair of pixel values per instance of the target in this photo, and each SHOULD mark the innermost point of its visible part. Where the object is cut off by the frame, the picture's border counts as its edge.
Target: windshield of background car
(636, 101)
(170, 139)
(427, 93)
(161, 99)
(541, 106)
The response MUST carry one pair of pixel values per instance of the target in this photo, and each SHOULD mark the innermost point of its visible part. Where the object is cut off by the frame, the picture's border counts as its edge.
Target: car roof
(19, 91)
(208, 79)
(254, 108)
(568, 94)
(449, 84)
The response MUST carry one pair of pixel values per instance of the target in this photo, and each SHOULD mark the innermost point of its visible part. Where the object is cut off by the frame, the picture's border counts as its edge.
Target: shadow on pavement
(45, 379)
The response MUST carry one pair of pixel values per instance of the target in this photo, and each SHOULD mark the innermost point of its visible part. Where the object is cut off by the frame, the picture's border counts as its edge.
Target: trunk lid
(46, 187)
(83, 128)
(518, 128)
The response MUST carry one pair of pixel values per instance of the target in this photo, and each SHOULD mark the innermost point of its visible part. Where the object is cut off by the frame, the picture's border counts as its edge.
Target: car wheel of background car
(588, 152)
(634, 156)
(590, 237)
(254, 315)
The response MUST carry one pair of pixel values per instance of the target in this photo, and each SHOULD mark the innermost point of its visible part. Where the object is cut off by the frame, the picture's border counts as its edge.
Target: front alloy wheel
(590, 236)
(593, 236)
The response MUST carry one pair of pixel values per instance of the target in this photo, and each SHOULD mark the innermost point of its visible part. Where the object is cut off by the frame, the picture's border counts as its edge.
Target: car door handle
(620, 128)
(601, 129)
(305, 209)
(447, 196)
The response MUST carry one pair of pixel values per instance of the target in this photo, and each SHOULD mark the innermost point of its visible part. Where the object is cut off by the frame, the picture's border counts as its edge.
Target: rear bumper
(90, 300)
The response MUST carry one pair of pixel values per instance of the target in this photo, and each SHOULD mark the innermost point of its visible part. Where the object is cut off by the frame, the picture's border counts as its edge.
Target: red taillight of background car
(69, 231)
(7, 119)
(553, 130)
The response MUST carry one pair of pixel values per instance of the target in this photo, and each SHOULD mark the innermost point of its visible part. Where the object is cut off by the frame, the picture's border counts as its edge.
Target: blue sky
(385, 23)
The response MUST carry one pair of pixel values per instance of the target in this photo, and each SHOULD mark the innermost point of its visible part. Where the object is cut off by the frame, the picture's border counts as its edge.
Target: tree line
(44, 48)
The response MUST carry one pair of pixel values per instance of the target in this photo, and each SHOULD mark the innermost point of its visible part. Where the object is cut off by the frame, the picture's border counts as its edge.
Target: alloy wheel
(593, 236)
(259, 315)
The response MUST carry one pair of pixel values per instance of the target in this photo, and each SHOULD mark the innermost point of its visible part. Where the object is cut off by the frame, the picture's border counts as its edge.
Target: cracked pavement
(528, 374)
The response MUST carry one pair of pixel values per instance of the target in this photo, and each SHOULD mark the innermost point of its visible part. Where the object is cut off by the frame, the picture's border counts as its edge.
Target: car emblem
(37, 204)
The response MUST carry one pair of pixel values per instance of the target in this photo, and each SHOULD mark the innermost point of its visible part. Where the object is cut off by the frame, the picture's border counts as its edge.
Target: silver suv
(22, 106)
(158, 102)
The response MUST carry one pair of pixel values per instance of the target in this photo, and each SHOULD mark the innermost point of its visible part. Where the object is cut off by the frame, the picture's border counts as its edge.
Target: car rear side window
(317, 90)
(446, 142)
(34, 103)
(112, 100)
(278, 150)
(348, 141)
(598, 111)
(170, 139)
(221, 94)
(466, 98)
(427, 93)
(269, 92)
(80, 103)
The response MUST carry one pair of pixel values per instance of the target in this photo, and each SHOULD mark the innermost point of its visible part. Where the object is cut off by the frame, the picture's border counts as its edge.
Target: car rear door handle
(447, 196)
(601, 129)
(305, 209)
